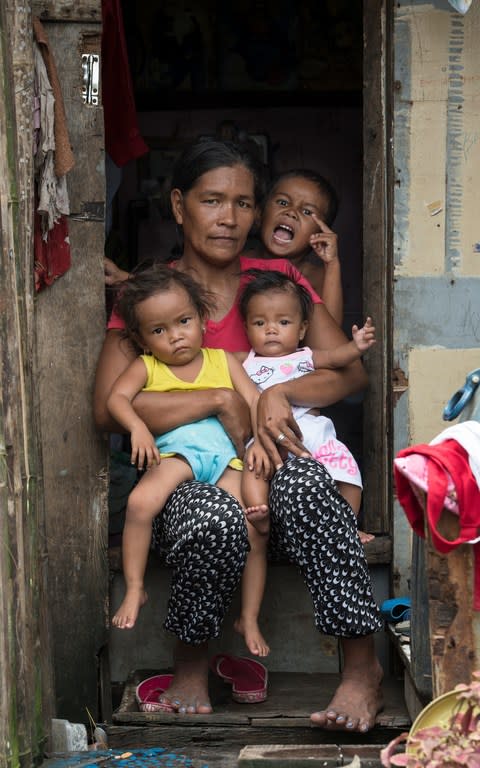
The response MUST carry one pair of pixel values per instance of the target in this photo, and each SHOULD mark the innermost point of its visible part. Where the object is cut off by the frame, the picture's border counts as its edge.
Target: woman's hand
(277, 430)
(113, 274)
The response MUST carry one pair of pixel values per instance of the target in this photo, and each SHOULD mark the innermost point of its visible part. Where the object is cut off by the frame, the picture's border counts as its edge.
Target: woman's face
(216, 214)
(287, 221)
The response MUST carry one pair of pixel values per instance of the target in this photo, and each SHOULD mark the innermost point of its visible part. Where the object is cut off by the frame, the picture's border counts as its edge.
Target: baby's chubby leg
(353, 494)
(255, 571)
(144, 503)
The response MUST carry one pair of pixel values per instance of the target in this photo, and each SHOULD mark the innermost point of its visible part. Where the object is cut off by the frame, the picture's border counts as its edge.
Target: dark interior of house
(285, 75)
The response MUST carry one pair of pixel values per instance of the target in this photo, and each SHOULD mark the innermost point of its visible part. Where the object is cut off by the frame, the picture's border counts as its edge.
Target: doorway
(291, 78)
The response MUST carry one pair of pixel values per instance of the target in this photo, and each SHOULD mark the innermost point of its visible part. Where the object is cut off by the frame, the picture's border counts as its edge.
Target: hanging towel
(447, 458)
(64, 159)
(123, 141)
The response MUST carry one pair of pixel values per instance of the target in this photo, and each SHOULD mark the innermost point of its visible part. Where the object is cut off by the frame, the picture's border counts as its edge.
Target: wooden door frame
(26, 663)
(68, 324)
(377, 262)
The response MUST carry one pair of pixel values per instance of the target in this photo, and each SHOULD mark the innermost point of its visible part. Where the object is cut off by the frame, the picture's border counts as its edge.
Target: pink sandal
(248, 677)
(148, 692)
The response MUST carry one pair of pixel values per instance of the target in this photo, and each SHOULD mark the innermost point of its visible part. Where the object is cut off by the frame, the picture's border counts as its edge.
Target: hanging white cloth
(467, 434)
(53, 199)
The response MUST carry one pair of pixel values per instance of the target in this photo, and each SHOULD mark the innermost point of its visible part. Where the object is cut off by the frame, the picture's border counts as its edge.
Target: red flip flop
(148, 692)
(248, 677)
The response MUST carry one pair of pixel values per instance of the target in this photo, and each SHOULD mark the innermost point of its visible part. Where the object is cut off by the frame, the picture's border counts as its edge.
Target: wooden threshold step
(284, 718)
(308, 756)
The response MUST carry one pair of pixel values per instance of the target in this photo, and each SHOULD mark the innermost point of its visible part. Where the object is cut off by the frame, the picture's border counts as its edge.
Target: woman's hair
(323, 186)
(158, 278)
(206, 155)
(272, 280)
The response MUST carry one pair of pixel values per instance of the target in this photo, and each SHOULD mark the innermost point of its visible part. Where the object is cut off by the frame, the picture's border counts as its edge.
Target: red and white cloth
(448, 472)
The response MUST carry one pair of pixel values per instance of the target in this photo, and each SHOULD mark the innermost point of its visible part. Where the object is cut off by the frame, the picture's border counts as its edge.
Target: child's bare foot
(258, 516)
(188, 693)
(365, 537)
(127, 614)
(254, 639)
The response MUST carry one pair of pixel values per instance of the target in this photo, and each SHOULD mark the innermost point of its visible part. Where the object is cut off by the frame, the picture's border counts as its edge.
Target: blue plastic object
(462, 397)
(396, 609)
(155, 757)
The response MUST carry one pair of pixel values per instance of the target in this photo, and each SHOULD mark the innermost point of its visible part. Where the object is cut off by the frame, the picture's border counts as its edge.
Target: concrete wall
(436, 133)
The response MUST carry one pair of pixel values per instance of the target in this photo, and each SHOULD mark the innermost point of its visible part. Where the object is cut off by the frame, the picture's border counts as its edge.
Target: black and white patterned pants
(203, 535)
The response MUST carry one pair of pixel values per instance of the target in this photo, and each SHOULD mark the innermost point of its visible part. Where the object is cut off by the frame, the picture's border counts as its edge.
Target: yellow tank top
(214, 373)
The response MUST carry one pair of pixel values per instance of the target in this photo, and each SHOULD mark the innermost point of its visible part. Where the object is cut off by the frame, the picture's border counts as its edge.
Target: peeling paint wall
(436, 146)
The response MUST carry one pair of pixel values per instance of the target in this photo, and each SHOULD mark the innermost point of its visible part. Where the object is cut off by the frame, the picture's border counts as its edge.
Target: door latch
(91, 78)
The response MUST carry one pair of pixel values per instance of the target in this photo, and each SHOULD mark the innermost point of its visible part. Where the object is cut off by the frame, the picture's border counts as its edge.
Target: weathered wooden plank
(162, 718)
(25, 668)
(66, 10)
(379, 551)
(306, 756)
(70, 327)
(182, 739)
(454, 651)
(284, 718)
(421, 666)
(376, 268)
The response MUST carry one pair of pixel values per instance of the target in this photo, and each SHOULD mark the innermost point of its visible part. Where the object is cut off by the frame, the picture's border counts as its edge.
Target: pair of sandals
(248, 678)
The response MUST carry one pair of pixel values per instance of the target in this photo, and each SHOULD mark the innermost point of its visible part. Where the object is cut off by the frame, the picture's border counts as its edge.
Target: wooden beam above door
(58, 10)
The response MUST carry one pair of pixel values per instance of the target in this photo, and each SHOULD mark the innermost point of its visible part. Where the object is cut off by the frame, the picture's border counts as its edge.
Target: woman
(215, 197)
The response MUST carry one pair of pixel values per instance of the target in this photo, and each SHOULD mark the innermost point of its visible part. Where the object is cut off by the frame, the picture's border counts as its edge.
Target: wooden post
(69, 329)
(377, 268)
(25, 659)
(454, 625)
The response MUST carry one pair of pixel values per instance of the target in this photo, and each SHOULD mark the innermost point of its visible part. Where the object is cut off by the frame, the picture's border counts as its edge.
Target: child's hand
(325, 242)
(256, 459)
(145, 453)
(364, 337)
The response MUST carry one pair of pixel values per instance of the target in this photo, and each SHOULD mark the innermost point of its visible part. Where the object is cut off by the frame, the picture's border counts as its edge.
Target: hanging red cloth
(123, 141)
(52, 256)
(446, 457)
(53, 160)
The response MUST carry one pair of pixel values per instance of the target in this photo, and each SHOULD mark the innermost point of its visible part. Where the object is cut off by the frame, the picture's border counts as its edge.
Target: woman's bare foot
(127, 614)
(188, 693)
(258, 516)
(356, 703)
(365, 537)
(254, 639)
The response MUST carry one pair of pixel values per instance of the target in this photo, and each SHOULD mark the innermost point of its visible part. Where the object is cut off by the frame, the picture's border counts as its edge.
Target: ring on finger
(282, 436)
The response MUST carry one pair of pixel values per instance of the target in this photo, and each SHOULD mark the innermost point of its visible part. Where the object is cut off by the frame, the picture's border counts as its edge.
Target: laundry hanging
(53, 159)
(443, 472)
